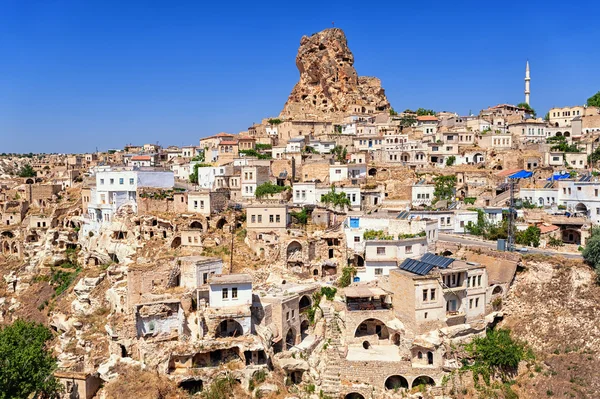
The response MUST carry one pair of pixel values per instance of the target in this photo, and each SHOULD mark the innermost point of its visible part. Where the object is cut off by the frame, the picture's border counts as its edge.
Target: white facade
(115, 188)
(381, 256)
(223, 295)
(422, 194)
(310, 194)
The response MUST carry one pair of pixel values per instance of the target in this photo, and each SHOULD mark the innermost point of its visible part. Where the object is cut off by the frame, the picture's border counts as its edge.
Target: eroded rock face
(329, 85)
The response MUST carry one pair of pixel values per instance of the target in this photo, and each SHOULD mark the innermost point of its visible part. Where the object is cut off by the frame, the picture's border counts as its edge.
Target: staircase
(501, 198)
(331, 377)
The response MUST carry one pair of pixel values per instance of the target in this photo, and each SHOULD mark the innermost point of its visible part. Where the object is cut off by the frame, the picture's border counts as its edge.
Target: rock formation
(329, 86)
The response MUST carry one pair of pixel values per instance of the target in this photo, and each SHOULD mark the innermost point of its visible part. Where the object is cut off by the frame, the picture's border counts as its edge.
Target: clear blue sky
(76, 75)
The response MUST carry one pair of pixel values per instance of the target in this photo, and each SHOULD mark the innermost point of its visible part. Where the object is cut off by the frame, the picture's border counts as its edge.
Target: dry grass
(140, 384)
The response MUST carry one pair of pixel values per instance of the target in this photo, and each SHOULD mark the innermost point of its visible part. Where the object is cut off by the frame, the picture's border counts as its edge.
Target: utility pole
(232, 229)
(511, 208)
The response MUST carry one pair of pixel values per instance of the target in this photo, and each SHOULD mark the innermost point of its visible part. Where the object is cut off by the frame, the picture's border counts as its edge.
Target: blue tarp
(559, 177)
(523, 174)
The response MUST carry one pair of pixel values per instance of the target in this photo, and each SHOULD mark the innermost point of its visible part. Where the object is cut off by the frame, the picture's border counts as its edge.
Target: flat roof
(230, 279)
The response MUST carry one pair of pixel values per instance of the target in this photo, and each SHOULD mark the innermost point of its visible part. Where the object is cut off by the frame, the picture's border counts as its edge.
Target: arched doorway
(176, 243)
(558, 134)
(581, 208)
(196, 225)
(290, 339)
(478, 158)
(405, 157)
(423, 380)
(360, 261)
(304, 329)
(394, 382)
(221, 223)
(372, 172)
(430, 358)
(497, 290)
(229, 328)
(567, 134)
(192, 387)
(447, 253)
(372, 327)
(396, 339)
(304, 303)
(354, 395)
(294, 251)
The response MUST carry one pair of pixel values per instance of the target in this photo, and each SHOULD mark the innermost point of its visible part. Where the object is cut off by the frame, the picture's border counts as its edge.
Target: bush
(268, 189)
(376, 235)
(346, 277)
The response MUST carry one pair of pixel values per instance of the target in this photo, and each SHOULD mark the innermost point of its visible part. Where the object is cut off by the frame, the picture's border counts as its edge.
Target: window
(101, 181)
(293, 313)
(259, 218)
(470, 304)
(112, 181)
(408, 249)
(425, 315)
(271, 218)
(380, 250)
(356, 238)
(338, 171)
(225, 293)
(253, 218)
(378, 271)
(195, 204)
(578, 188)
(277, 218)
(432, 294)
(297, 193)
(287, 316)
(202, 204)
(424, 295)
(234, 293)
(479, 281)
(476, 302)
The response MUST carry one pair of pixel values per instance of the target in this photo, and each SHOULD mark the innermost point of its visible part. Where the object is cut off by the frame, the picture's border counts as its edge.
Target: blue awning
(559, 177)
(523, 174)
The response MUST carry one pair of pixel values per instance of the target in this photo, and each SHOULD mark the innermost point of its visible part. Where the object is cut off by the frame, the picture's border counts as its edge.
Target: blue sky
(76, 75)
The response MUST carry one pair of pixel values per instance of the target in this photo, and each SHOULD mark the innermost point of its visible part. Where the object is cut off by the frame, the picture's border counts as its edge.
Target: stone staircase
(334, 354)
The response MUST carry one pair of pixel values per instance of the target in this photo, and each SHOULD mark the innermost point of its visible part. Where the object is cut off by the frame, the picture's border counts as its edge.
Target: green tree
(450, 161)
(591, 252)
(392, 112)
(274, 121)
(335, 199)
(340, 153)
(269, 189)
(423, 112)
(27, 171)
(594, 101)
(301, 217)
(26, 366)
(547, 117)
(496, 353)
(408, 120)
(527, 107)
(444, 187)
(530, 236)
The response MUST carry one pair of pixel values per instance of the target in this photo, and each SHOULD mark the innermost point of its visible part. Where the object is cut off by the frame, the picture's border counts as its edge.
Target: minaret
(527, 79)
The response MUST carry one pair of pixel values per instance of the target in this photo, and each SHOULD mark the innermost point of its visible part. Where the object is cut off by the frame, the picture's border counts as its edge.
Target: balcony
(455, 318)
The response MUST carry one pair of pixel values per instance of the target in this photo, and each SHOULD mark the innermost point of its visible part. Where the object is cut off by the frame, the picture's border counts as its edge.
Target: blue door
(354, 223)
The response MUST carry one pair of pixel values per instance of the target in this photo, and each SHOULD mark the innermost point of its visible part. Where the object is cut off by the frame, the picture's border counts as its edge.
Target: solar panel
(435, 260)
(403, 215)
(586, 178)
(415, 266)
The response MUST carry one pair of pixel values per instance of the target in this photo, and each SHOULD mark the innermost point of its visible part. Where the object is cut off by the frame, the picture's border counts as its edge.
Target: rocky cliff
(329, 86)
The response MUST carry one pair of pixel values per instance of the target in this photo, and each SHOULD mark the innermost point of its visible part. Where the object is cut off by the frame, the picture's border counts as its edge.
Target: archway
(6, 247)
(294, 251)
(497, 290)
(430, 358)
(373, 172)
(558, 134)
(221, 223)
(360, 261)
(405, 157)
(229, 328)
(176, 243)
(8, 234)
(478, 158)
(192, 387)
(196, 225)
(354, 395)
(394, 382)
(581, 208)
(447, 253)
(567, 134)
(305, 303)
(304, 329)
(290, 338)
(29, 181)
(570, 236)
(423, 380)
(372, 327)
(396, 339)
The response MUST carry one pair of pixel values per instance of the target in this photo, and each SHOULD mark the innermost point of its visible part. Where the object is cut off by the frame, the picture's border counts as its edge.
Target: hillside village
(341, 249)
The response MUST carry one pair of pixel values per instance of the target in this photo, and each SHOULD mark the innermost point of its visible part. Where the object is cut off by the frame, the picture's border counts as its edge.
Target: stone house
(382, 256)
(160, 319)
(439, 291)
(267, 218)
(206, 202)
(13, 212)
(78, 384)
(230, 299)
(252, 177)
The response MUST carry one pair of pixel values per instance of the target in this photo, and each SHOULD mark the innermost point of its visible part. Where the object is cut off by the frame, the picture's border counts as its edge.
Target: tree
(408, 120)
(594, 101)
(497, 352)
(26, 366)
(450, 161)
(274, 121)
(530, 236)
(392, 112)
(423, 112)
(269, 189)
(527, 107)
(27, 171)
(444, 187)
(335, 199)
(340, 153)
(591, 252)
(547, 117)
